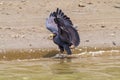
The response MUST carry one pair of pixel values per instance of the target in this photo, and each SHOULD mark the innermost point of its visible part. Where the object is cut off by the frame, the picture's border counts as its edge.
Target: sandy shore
(22, 22)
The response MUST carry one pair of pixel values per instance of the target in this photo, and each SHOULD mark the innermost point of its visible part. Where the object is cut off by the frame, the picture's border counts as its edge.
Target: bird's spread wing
(50, 23)
(62, 24)
(66, 28)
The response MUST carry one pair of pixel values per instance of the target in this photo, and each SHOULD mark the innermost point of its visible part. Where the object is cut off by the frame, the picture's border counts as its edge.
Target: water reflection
(103, 67)
(62, 67)
(91, 68)
(68, 60)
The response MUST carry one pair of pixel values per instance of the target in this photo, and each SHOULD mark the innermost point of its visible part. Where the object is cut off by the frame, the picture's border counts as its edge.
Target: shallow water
(91, 68)
(90, 64)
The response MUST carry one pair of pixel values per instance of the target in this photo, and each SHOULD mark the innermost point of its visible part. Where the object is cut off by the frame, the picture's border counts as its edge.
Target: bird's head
(54, 34)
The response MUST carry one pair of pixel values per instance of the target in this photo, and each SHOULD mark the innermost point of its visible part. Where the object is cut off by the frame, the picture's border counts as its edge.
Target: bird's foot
(61, 56)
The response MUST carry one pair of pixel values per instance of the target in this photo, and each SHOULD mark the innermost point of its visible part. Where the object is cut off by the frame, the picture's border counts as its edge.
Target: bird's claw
(61, 56)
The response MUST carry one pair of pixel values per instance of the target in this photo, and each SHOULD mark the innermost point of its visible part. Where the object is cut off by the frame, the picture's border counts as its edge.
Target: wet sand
(22, 22)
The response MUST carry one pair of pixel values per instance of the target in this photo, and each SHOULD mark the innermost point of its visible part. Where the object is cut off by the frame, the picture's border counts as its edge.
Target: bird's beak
(51, 36)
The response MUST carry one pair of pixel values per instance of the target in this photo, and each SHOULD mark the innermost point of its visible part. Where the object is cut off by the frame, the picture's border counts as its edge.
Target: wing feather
(62, 24)
(65, 24)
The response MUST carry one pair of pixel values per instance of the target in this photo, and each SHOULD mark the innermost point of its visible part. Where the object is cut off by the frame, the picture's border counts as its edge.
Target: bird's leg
(61, 51)
(67, 49)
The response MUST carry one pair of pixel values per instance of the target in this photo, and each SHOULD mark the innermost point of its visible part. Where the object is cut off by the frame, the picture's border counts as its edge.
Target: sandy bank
(22, 22)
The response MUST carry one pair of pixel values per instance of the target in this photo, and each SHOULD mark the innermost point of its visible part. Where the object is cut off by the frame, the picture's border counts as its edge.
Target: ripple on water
(104, 65)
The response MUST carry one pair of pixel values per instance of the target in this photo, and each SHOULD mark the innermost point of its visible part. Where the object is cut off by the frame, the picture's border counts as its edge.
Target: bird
(64, 33)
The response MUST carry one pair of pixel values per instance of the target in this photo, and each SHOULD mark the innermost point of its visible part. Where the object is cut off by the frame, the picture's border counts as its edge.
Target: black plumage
(65, 34)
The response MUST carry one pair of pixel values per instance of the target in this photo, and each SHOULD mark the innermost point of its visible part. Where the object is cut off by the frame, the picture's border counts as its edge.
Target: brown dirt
(22, 22)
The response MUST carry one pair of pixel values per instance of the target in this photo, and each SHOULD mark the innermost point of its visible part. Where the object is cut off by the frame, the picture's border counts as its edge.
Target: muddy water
(94, 67)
